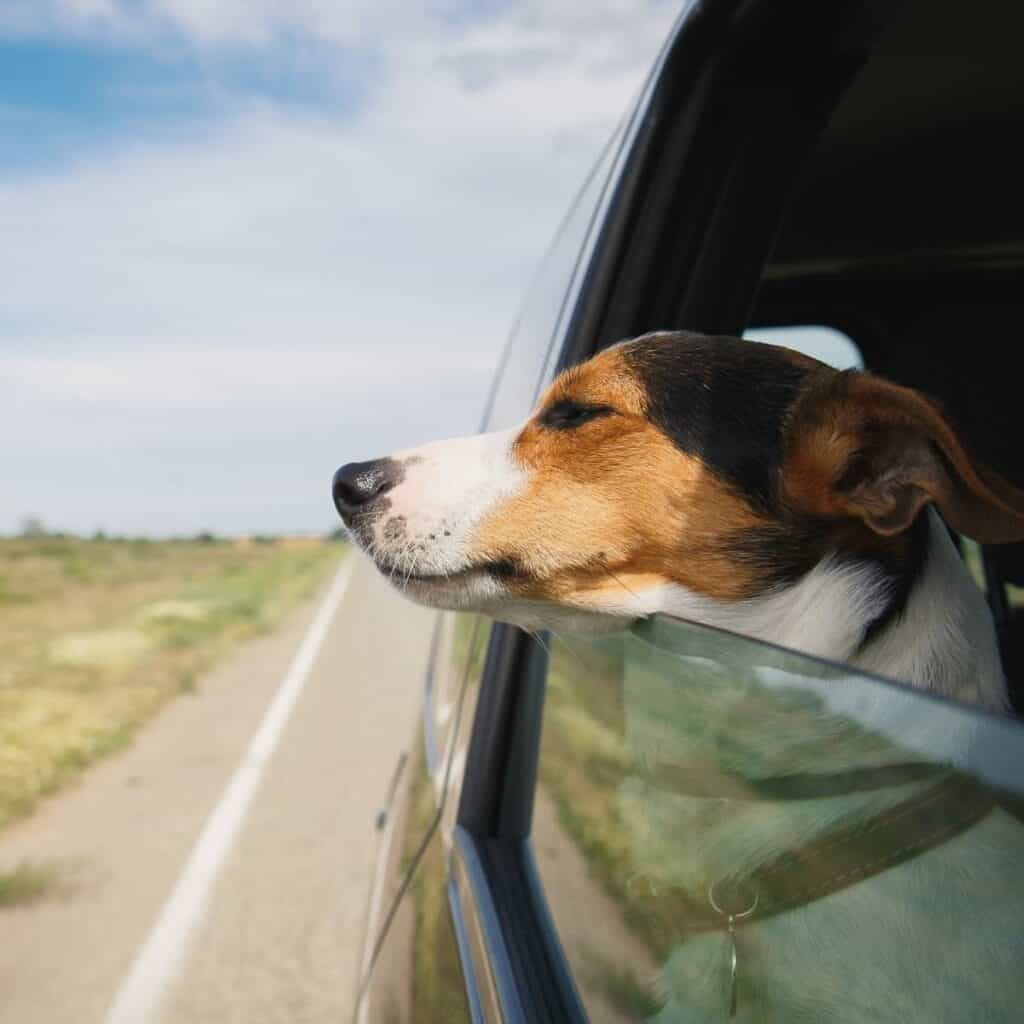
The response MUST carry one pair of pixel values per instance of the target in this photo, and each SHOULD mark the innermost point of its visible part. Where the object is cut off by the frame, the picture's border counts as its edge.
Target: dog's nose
(358, 483)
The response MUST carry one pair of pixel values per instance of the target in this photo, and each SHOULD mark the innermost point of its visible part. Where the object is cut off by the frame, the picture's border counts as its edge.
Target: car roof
(924, 149)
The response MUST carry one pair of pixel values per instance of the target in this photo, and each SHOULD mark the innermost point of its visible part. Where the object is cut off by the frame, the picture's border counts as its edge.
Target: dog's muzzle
(358, 485)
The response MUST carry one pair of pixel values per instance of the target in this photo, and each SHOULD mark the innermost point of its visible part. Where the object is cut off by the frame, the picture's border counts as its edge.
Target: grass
(28, 883)
(96, 635)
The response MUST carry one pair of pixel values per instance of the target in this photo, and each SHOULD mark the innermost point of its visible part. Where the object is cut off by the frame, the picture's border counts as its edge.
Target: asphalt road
(219, 869)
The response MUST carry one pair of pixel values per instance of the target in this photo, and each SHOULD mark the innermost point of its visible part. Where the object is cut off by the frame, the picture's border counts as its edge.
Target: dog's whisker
(408, 556)
(613, 576)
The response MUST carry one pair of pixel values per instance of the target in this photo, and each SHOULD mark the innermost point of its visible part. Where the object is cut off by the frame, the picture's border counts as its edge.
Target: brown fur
(863, 447)
(615, 503)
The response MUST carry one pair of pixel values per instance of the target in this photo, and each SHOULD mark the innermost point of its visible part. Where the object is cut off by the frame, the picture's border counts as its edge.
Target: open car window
(865, 839)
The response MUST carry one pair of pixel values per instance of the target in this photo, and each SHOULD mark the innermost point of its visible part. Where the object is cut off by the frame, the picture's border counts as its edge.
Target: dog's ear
(860, 446)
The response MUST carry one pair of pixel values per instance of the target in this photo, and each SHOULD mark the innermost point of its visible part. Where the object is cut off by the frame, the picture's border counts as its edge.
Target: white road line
(163, 954)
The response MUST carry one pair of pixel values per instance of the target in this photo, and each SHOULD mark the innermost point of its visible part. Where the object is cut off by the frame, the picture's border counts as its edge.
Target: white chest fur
(944, 640)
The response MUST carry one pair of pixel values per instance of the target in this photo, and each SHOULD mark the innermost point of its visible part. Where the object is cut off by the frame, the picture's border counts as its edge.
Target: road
(218, 870)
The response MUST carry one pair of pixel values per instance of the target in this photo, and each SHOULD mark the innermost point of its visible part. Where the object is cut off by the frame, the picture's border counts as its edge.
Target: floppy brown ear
(860, 446)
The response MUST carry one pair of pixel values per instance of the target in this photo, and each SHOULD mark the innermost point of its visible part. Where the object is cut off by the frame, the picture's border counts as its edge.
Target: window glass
(417, 976)
(867, 839)
(456, 642)
(532, 339)
(824, 343)
(427, 775)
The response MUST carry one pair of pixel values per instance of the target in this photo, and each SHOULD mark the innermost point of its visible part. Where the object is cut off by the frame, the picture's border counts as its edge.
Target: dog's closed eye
(568, 415)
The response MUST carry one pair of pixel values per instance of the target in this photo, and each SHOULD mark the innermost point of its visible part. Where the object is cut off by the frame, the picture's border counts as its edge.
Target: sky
(245, 241)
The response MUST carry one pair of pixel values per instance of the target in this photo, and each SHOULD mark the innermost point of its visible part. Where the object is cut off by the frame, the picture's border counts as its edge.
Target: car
(844, 178)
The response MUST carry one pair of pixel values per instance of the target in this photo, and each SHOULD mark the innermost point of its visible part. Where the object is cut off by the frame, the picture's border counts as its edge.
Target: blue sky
(246, 240)
(64, 97)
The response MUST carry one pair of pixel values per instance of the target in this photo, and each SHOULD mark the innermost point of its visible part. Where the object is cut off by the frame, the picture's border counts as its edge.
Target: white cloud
(298, 286)
(630, 27)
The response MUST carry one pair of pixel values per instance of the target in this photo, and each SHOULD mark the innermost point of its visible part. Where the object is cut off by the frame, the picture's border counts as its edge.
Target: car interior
(905, 231)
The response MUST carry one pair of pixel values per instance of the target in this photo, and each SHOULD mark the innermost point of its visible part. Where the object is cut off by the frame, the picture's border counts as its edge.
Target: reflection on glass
(457, 634)
(475, 645)
(419, 796)
(725, 830)
(417, 976)
(438, 991)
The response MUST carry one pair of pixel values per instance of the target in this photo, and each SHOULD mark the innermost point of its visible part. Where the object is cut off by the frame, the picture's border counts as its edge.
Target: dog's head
(720, 466)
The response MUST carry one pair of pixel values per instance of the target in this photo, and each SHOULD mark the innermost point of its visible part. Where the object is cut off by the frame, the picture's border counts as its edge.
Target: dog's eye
(567, 415)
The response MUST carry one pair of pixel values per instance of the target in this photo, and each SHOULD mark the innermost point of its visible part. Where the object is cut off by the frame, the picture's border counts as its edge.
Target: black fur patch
(779, 554)
(723, 400)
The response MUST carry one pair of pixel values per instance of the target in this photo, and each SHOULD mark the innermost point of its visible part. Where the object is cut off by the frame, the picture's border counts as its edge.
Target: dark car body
(852, 164)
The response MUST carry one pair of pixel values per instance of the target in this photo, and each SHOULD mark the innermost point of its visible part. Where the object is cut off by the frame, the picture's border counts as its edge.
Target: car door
(718, 821)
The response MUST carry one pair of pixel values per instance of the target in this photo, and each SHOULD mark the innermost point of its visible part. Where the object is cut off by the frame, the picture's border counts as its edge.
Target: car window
(866, 838)
(824, 343)
(425, 775)
(531, 344)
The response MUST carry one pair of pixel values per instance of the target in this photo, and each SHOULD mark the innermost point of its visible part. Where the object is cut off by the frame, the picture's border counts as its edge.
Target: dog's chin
(489, 589)
(467, 588)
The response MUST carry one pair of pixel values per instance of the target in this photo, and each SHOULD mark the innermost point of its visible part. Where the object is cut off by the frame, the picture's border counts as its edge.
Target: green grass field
(95, 635)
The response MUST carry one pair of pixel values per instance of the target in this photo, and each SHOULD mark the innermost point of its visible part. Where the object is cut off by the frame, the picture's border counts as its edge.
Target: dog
(820, 870)
(736, 484)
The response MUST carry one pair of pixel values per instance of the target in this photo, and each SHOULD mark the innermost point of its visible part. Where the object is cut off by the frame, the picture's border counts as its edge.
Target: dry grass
(95, 635)
(29, 883)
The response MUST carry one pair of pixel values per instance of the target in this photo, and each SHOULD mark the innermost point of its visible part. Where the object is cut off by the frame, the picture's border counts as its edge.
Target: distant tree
(33, 527)
(340, 534)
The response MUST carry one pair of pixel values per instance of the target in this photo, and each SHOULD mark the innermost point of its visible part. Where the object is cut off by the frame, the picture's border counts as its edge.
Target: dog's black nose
(358, 483)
